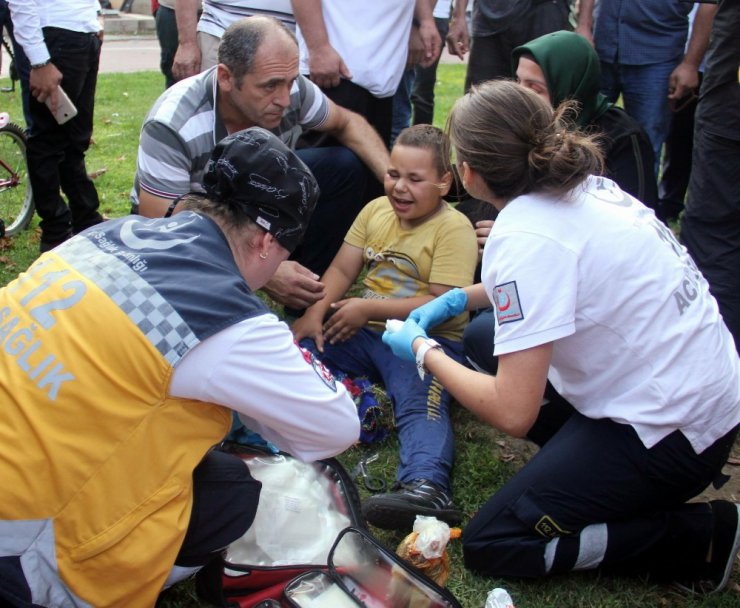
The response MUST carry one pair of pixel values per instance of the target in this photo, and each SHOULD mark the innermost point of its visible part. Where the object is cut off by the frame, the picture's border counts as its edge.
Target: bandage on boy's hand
(400, 341)
(448, 305)
(348, 317)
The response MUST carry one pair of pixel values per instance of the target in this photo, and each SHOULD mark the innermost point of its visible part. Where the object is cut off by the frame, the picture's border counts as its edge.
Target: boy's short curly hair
(430, 138)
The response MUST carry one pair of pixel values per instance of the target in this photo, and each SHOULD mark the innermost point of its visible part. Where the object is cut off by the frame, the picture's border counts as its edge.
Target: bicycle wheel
(16, 198)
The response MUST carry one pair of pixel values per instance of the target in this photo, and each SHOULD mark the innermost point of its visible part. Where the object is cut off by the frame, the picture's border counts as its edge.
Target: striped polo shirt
(183, 127)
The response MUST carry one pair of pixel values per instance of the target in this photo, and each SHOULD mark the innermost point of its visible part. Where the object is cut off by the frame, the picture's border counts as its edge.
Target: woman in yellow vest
(122, 354)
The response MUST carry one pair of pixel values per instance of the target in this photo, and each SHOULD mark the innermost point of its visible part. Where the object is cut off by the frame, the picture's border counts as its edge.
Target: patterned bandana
(257, 173)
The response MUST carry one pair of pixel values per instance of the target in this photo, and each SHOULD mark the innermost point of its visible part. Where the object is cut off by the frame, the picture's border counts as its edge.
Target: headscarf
(571, 68)
(256, 172)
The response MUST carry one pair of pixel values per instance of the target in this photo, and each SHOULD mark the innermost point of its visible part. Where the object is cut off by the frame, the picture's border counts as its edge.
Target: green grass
(485, 459)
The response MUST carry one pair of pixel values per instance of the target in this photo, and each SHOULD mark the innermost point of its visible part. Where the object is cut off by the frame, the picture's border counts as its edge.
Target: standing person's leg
(342, 178)
(489, 58)
(422, 93)
(402, 105)
(645, 95)
(611, 80)
(674, 180)
(421, 410)
(545, 17)
(78, 59)
(208, 45)
(378, 112)
(595, 497)
(167, 35)
(48, 142)
(710, 226)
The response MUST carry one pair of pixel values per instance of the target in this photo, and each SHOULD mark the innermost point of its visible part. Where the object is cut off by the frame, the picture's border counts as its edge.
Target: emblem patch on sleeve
(506, 299)
(321, 370)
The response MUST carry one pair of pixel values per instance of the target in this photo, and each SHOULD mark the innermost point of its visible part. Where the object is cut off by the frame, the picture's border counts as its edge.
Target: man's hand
(416, 48)
(187, 60)
(44, 82)
(458, 42)
(684, 80)
(349, 316)
(294, 286)
(432, 42)
(326, 67)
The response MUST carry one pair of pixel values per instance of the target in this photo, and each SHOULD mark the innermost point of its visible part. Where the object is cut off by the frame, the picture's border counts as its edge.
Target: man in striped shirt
(257, 83)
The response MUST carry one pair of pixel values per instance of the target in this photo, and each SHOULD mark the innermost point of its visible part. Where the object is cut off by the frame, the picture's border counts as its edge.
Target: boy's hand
(309, 326)
(349, 316)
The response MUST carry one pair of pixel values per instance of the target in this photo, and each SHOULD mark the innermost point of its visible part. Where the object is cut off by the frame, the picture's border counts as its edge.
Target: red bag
(303, 508)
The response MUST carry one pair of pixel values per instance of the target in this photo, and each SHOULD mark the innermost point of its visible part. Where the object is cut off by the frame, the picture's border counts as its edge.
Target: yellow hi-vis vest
(96, 460)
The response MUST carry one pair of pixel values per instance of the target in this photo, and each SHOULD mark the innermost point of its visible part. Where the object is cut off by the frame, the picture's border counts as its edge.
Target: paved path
(138, 53)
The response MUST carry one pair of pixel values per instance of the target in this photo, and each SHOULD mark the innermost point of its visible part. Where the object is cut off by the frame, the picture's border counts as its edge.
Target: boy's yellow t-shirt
(402, 263)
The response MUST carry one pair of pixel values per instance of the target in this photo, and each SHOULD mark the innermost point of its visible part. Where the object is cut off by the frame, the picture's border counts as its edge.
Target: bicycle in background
(16, 198)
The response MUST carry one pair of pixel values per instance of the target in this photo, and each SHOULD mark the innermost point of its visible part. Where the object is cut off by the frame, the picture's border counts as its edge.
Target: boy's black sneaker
(725, 547)
(398, 509)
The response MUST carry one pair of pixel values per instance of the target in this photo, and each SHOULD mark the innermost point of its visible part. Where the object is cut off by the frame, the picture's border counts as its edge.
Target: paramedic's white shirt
(634, 329)
(255, 368)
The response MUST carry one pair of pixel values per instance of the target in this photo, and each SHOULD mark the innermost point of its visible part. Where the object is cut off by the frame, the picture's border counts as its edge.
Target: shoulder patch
(506, 299)
(321, 370)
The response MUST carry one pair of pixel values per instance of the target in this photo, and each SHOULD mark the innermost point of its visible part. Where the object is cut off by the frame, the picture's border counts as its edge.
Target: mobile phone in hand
(65, 108)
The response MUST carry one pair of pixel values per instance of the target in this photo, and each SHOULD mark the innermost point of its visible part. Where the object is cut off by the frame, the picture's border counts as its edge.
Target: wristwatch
(35, 66)
(425, 347)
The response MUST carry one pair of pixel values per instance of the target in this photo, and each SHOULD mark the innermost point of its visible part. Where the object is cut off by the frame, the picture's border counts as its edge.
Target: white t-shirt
(637, 337)
(30, 16)
(255, 368)
(219, 14)
(442, 9)
(371, 37)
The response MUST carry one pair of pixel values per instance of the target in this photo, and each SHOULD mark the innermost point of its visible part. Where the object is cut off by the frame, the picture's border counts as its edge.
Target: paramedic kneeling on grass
(124, 351)
(593, 292)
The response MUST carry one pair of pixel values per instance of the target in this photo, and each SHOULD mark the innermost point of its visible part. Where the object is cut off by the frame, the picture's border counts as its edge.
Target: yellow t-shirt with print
(402, 263)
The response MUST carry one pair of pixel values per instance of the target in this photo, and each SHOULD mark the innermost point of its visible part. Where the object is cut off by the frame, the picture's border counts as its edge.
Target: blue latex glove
(400, 341)
(450, 304)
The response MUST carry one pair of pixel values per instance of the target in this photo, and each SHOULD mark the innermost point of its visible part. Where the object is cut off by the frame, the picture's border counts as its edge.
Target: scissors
(372, 483)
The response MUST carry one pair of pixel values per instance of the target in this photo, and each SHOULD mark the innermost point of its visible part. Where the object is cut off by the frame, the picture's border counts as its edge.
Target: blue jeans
(402, 104)
(644, 90)
(421, 407)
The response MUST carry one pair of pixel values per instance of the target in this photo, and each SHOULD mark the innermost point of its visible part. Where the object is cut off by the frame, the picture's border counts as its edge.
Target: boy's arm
(338, 278)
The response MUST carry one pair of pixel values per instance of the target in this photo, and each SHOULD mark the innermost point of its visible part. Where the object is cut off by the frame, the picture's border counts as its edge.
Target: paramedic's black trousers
(225, 498)
(595, 497)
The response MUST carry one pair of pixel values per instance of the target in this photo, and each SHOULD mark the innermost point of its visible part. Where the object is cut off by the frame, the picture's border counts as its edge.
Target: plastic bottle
(499, 598)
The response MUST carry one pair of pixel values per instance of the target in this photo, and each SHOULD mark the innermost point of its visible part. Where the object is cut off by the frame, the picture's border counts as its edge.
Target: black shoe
(397, 510)
(725, 547)
(45, 246)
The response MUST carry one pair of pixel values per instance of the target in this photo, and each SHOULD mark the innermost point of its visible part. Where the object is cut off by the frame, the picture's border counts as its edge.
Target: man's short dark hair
(242, 40)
